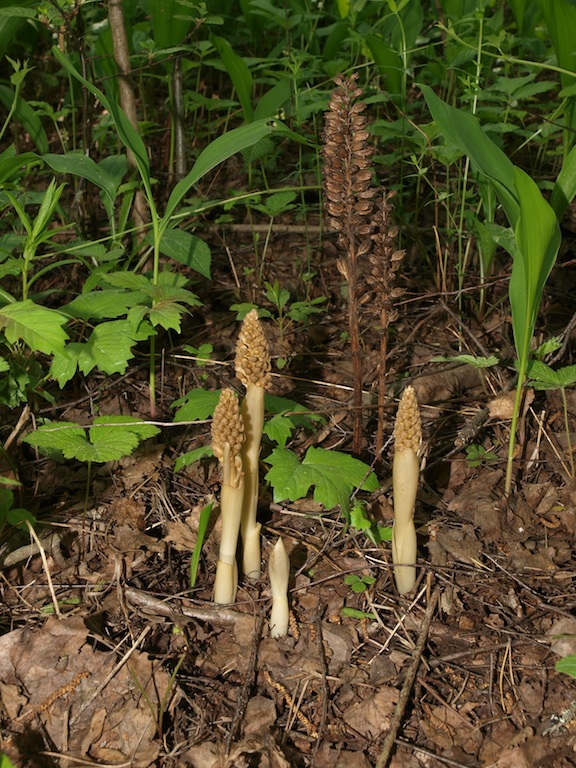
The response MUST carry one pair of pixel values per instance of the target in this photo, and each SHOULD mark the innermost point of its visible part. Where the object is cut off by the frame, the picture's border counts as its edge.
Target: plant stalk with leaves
(405, 478)
(253, 370)
(227, 439)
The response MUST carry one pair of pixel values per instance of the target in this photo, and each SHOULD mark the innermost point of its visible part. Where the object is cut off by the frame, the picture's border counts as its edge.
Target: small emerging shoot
(279, 572)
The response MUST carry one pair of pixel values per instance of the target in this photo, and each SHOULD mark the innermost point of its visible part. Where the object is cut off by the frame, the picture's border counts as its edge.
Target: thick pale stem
(279, 572)
(253, 416)
(226, 583)
(405, 477)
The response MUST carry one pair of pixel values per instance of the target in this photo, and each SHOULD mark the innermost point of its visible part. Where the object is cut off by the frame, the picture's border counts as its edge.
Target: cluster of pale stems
(236, 437)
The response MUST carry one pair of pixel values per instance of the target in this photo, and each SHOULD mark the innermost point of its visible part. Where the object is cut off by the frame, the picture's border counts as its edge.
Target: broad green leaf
(189, 458)
(10, 162)
(101, 305)
(564, 188)
(108, 439)
(335, 476)
(238, 72)
(169, 23)
(79, 164)
(463, 130)
(187, 249)
(567, 665)
(538, 238)
(109, 348)
(388, 62)
(64, 436)
(542, 376)
(279, 428)
(130, 281)
(273, 100)
(167, 314)
(39, 327)
(197, 405)
(216, 152)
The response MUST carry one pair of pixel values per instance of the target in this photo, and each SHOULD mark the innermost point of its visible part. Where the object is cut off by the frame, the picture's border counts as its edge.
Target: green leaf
(168, 27)
(216, 152)
(464, 131)
(542, 376)
(128, 135)
(197, 405)
(202, 528)
(167, 314)
(40, 327)
(565, 185)
(189, 458)
(279, 429)
(78, 164)
(538, 238)
(130, 281)
(108, 439)
(109, 348)
(567, 665)
(476, 362)
(100, 305)
(238, 72)
(187, 249)
(10, 162)
(335, 476)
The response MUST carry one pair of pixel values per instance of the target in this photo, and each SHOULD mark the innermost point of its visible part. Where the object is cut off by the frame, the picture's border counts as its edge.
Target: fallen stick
(396, 721)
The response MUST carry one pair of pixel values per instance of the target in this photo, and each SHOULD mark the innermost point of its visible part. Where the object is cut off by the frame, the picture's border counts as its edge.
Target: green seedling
(376, 533)
(359, 583)
(477, 456)
(475, 362)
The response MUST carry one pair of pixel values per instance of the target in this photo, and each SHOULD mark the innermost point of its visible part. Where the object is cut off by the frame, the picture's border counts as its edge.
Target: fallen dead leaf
(371, 717)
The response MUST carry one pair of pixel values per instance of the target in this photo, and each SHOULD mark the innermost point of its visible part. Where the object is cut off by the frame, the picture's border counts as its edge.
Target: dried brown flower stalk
(384, 260)
(350, 207)
(365, 229)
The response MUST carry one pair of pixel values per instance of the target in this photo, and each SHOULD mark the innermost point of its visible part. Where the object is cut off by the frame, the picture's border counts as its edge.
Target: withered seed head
(408, 427)
(227, 427)
(252, 355)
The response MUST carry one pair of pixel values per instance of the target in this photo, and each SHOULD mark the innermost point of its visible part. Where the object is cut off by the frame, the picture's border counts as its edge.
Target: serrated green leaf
(334, 475)
(567, 665)
(108, 439)
(129, 281)
(39, 327)
(197, 405)
(167, 314)
(101, 305)
(279, 428)
(64, 436)
(189, 458)
(476, 362)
